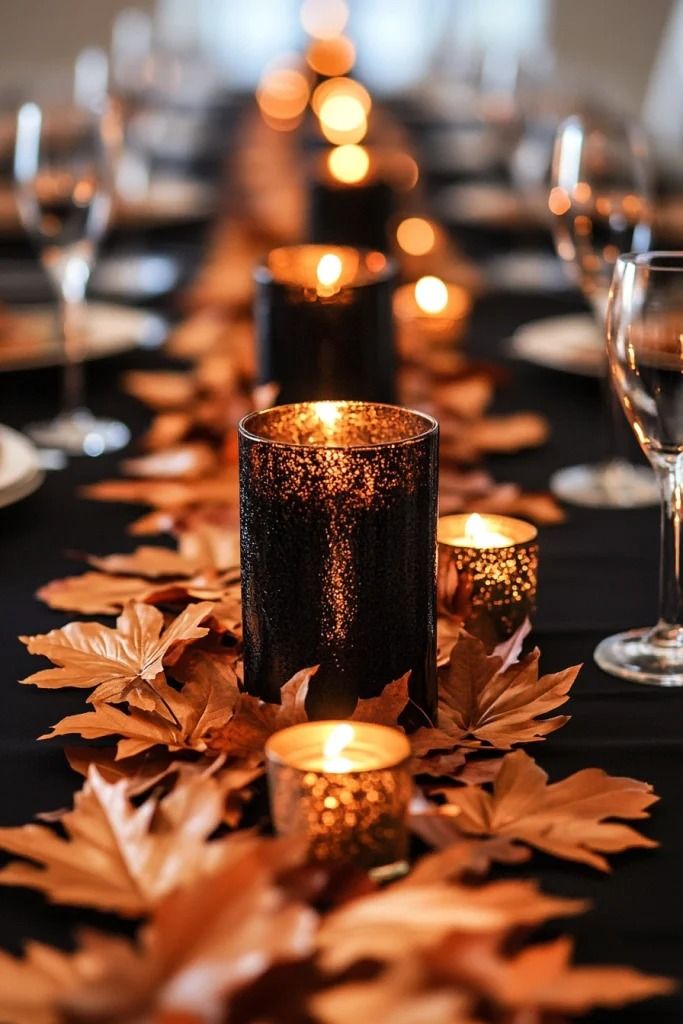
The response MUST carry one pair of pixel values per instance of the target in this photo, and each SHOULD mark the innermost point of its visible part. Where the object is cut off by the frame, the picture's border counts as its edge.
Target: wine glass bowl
(600, 206)
(62, 169)
(645, 351)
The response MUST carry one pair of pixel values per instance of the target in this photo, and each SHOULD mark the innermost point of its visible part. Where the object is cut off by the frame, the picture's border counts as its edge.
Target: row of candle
(339, 536)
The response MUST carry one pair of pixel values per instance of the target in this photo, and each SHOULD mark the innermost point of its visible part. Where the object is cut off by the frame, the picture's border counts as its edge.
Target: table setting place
(341, 380)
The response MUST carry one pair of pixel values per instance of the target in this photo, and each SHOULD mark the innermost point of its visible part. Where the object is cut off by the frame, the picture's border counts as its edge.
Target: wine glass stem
(669, 630)
(71, 306)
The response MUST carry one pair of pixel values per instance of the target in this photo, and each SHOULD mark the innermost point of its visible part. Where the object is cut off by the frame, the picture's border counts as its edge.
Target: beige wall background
(609, 46)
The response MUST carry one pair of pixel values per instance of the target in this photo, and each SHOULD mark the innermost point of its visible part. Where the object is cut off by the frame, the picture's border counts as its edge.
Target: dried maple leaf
(119, 857)
(124, 664)
(145, 771)
(480, 703)
(541, 978)
(464, 858)
(150, 562)
(387, 707)
(399, 995)
(160, 389)
(507, 499)
(254, 720)
(201, 708)
(167, 494)
(203, 942)
(408, 918)
(568, 819)
(94, 593)
(190, 461)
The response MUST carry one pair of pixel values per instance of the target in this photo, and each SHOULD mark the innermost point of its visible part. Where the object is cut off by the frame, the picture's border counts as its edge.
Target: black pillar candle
(338, 549)
(324, 323)
(351, 214)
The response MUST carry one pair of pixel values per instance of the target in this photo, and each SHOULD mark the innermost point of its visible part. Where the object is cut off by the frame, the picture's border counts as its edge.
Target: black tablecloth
(598, 574)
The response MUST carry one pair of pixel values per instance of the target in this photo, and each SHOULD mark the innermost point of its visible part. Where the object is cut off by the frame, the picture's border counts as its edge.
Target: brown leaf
(160, 389)
(569, 819)
(464, 399)
(506, 499)
(192, 461)
(202, 707)
(408, 918)
(204, 941)
(400, 995)
(542, 978)
(150, 562)
(481, 705)
(123, 664)
(458, 858)
(510, 433)
(385, 709)
(119, 857)
(167, 494)
(94, 593)
(254, 720)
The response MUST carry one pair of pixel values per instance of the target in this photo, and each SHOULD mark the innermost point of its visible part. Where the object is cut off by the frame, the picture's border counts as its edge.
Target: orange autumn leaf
(482, 702)
(408, 918)
(160, 389)
(542, 978)
(146, 561)
(191, 461)
(167, 493)
(122, 664)
(254, 720)
(204, 941)
(120, 857)
(203, 707)
(574, 819)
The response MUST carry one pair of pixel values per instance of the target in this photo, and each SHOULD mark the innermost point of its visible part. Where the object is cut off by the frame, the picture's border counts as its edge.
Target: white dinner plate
(571, 343)
(109, 329)
(488, 205)
(165, 201)
(20, 470)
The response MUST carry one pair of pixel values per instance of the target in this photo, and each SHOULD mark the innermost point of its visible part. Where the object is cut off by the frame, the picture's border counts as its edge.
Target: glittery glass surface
(493, 590)
(338, 549)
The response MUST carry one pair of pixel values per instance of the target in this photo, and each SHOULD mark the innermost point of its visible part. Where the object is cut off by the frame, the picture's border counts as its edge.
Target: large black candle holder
(338, 549)
(325, 325)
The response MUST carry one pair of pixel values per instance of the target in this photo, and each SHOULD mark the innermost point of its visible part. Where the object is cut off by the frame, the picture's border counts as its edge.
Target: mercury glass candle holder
(349, 211)
(338, 551)
(345, 787)
(324, 323)
(487, 573)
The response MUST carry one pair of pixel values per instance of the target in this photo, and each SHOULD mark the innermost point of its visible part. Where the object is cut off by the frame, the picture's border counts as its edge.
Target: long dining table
(598, 574)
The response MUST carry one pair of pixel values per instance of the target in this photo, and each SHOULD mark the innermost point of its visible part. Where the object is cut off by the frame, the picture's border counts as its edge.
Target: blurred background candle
(488, 567)
(324, 323)
(430, 312)
(338, 551)
(345, 787)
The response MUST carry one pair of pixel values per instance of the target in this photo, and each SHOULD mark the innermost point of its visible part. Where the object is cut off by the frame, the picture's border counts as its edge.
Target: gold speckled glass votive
(487, 575)
(338, 552)
(345, 786)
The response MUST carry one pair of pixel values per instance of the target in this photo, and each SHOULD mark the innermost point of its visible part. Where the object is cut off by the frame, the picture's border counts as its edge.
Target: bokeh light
(431, 294)
(348, 164)
(416, 236)
(331, 57)
(283, 94)
(343, 120)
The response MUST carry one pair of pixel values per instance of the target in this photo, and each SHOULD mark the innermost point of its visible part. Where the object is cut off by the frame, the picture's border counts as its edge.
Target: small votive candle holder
(345, 787)
(430, 313)
(487, 573)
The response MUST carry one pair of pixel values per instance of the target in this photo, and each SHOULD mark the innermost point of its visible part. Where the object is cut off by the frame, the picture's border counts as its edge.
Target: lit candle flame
(475, 529)
(334, 746)
(327, 412)
(481, 534)
(431, 295)
(328, 272)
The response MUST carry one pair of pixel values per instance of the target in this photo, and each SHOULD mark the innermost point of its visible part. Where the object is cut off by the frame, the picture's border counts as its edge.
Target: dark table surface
(598, 574)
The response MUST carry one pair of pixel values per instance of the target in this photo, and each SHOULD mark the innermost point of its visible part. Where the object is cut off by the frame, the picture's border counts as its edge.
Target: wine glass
(62, 172)
(645, 350)
(600, 202)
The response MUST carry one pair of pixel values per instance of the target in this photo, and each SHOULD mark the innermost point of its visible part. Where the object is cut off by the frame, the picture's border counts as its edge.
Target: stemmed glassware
(62, 169)
(600, 202)
(645, 349)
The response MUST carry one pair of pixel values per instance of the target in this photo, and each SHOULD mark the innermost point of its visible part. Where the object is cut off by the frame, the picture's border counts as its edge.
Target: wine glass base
(633, 656)
(614, 484)
(80, 433)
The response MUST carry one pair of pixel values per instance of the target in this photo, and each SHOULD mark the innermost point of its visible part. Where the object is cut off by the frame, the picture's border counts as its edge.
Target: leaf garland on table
(236, 925)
